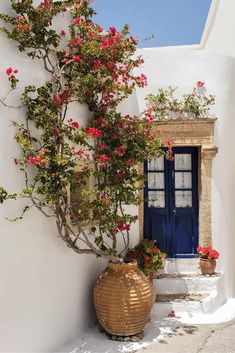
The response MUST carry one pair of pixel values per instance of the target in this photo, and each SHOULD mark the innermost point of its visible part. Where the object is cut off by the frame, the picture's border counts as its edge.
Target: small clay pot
(207, 266)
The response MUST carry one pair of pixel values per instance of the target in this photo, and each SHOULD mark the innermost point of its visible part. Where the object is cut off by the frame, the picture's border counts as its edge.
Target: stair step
(192, 303)
(187, 283)
(180, 297)
(181, 265)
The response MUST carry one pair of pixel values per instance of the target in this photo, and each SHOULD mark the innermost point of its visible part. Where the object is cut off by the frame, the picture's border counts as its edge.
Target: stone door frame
(192, 133)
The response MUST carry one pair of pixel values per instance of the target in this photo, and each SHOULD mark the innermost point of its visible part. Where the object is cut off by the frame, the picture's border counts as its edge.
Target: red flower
(120, 151)
(154, 250)
(120, 175)
(131, 162)
(121, 226)
(93, 131)
(113, 31)
(75, 124)
(200, 84)
(146, 258)
(207, 253)
(9, 71)
(97, 64)
(76, 59)
(104, 45)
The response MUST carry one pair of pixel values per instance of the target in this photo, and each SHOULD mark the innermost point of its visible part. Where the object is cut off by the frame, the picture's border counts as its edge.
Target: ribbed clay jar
(207, 266)
(123, 298)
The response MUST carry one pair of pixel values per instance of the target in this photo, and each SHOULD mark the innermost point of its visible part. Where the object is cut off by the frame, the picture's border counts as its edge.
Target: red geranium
(93, 131)
(207, 253)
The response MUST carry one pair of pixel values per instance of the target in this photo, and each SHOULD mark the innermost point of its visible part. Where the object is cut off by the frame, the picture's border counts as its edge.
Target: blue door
(171, 202)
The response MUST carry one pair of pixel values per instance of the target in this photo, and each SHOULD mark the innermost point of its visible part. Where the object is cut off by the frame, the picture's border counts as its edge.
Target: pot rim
(211, 260)
(123, 266)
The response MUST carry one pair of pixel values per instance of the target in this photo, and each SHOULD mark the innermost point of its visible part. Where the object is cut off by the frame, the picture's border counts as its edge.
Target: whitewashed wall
(182, 68)
(45, 288)
(219, 32)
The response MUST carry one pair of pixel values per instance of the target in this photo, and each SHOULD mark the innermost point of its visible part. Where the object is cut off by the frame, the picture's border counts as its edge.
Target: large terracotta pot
(207, 266)
(123, 298)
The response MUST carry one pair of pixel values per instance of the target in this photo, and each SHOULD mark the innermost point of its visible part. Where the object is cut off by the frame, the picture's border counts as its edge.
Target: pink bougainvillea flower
(9, 71)
(169, 143)
(105, 45)
(20, 18)
(93, 131)
(102, 147)
(45, 5)
(21, 28)
(200, 84)
(97, 64)
(77, 20)
(101, 121)
(75, 124)
(36, 161)
(75, 42)
(62, 33)
(104, 157)
(61, 98)
(113, 31)
(172, 314)
(131, 162)
(149, 120)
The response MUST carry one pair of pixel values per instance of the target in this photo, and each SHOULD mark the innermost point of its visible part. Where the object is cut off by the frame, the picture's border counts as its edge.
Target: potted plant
(208, 258)
(149, 258)
(84, 64)
(164, 104)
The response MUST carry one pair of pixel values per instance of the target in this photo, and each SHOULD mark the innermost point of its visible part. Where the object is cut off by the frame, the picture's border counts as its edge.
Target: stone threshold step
(179, 297)
(183, 275)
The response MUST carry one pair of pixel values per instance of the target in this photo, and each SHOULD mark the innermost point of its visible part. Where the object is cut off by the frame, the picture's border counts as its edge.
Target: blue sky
(172, 22)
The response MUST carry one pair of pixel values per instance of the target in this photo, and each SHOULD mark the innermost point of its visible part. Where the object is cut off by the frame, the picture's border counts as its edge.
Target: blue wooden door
(171, 202)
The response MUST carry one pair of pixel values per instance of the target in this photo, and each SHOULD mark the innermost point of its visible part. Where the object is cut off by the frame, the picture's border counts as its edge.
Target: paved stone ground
(214, 338)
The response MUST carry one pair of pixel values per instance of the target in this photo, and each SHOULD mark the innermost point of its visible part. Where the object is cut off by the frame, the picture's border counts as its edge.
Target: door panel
(171, 202)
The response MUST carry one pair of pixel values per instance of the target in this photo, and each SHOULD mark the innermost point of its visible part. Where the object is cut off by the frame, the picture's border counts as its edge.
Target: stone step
(187, 283)
(181, 265)
(190, 303)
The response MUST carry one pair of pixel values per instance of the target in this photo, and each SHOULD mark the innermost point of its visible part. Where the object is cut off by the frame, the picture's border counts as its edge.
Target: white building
(46, 289)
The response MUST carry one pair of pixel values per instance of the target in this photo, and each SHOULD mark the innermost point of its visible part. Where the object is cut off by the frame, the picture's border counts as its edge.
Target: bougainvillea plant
(89, 65)
(164, 104)
(207, 253)
(149, 258)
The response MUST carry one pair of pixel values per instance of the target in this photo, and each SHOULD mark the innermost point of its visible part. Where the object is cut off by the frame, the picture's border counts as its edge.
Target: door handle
(174, 211)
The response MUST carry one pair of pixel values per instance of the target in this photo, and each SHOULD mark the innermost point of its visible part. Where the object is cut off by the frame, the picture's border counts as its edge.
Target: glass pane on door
(156, 181)
(183, 199)
(183, 161)
(156, 199)
(183, 180)
(156, 164)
